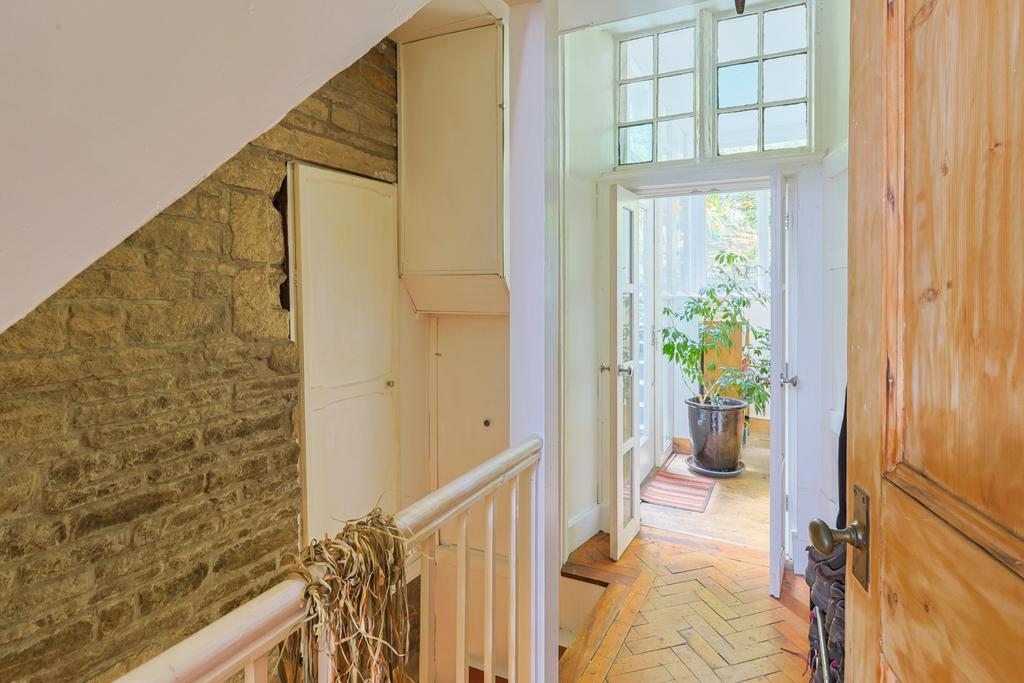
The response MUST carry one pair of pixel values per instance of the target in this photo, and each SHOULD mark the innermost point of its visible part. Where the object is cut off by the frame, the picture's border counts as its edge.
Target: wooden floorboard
(684, 608)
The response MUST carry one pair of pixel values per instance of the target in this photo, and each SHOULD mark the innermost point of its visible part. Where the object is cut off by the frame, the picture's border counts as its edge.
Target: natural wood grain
(964, 260)
(865, 345)
(935, 354)
(696, 610)
(959, 615)
(738, 510)
(592, 633)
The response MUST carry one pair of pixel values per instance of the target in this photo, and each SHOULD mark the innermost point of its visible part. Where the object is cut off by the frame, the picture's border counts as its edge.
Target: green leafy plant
(721, 312)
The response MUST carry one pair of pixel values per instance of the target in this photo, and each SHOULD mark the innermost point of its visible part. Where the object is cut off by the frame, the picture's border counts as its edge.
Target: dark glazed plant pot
(717, 433)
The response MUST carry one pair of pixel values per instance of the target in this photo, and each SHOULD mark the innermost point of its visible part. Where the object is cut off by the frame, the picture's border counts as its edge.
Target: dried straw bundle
(355, 590)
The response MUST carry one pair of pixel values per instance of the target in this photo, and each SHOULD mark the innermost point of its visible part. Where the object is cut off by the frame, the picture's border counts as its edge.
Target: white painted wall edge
(111, 112)
(582, 527)
(837, 160)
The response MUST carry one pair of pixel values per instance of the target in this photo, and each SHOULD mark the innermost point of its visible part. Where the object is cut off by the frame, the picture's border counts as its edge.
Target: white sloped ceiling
(111, 110)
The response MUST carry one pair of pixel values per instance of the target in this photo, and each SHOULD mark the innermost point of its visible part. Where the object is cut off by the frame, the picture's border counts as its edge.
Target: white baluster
(427, 575)
(489, 592)
(256, 670)
(462, 583)
(513, 580)
(528, 650)
(325, 672)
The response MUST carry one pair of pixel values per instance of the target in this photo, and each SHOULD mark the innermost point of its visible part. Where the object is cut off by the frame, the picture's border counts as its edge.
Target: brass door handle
(825, 539)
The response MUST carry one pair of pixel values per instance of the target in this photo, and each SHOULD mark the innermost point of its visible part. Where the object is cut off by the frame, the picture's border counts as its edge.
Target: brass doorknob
(825, 539)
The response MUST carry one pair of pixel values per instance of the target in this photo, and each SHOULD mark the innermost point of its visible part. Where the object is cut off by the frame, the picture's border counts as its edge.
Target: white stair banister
(243, 639)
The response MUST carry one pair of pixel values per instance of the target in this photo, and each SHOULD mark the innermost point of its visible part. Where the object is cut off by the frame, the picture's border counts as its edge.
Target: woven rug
(675, 490)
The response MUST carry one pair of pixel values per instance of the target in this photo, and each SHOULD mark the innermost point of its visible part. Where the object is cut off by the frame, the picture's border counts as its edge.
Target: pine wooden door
(936, 356)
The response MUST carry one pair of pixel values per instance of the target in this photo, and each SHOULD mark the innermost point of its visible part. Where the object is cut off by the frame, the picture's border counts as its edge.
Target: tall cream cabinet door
(451, 151)
(345, 233)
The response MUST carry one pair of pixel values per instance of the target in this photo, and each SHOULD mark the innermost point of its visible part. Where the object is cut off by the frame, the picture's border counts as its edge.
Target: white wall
(113, 110)
(588, 65)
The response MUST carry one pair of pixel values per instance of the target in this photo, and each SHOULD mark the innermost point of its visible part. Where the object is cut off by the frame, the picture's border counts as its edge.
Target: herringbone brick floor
(681, 608)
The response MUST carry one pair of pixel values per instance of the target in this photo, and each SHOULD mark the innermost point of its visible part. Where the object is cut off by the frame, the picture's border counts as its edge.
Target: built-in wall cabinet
(453, 240)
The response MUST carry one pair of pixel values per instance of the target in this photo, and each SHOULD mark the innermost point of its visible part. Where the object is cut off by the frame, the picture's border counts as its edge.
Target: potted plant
(721, 313)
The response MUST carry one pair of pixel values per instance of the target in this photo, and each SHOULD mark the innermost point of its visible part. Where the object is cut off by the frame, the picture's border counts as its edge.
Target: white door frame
(777, 183)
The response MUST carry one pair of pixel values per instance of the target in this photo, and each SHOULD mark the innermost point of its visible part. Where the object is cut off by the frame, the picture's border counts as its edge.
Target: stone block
(179, 234)
(256, 228)
(155, 323)
(41, 331)
(236, 427)
(94, 325)
(378, 80)
(168, 590)
(346, 119)
(256, 303)
(95, 283)
(19, 489)
(212, 286)
(32, 417)
(252, 170)
(327, 152)
(315, 107)
(122, 386)
(284, 359)
(19, 538)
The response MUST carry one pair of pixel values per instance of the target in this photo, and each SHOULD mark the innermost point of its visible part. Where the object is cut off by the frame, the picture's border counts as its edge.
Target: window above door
(721, 86)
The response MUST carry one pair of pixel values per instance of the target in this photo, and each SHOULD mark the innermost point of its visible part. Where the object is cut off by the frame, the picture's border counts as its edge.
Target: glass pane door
(628, 355)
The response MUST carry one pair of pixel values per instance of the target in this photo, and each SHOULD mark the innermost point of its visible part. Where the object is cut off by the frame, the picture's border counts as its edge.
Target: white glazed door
(625, 513)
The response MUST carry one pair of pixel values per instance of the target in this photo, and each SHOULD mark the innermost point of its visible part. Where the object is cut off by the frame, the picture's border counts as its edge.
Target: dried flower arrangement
(356, 593)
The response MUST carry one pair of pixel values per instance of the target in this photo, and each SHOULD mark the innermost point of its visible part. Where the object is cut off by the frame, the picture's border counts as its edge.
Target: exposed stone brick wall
(148, 463)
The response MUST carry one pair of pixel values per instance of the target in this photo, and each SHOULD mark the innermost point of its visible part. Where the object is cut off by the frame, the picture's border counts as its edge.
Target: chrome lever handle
(623, 370)
(792, 381)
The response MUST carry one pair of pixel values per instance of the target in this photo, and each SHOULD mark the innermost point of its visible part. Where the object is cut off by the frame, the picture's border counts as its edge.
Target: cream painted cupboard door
(346, 265)
(625, 499)
(936, 340)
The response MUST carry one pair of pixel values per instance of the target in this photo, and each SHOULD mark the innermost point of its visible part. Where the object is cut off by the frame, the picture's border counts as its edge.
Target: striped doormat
(677, 490)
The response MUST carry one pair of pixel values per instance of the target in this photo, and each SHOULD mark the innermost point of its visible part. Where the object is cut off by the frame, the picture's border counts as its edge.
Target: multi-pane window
(761, 68)
(754, 87)
(656, 98)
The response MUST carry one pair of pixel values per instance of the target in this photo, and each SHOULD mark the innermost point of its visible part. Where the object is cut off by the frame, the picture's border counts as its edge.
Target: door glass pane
(675, 50)
(636, 101)
(625, 247)
(627, 327)
(785, 127)
(737, 38)
(785, 29)
(737, 85)
(675, 95)
(675, 139)
(636, 144)
(628, 511)
(641, 325)
(636, 57)
(785, 78)
(627, 407)
(737, 132)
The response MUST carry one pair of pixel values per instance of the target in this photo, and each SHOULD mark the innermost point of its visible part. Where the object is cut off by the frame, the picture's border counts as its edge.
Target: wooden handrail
(249, 631)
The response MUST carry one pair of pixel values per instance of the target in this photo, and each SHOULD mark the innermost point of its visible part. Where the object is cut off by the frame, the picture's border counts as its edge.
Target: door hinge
(787, 502)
